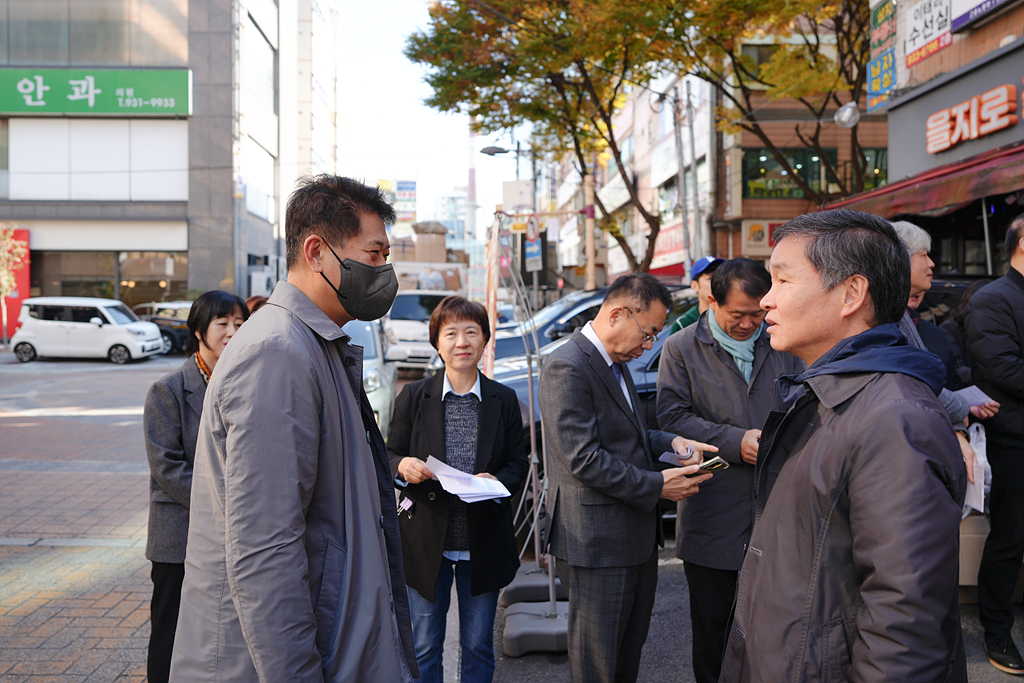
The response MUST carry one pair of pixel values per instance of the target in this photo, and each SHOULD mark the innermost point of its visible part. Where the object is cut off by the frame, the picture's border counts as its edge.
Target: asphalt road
(72, 531)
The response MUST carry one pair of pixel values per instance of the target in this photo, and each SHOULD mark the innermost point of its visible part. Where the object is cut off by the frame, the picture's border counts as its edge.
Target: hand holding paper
(464, 485)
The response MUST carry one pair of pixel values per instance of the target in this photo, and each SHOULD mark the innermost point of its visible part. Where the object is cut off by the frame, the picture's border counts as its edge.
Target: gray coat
(604, 484)
(293, 570)
(170, 424)
(702, 394)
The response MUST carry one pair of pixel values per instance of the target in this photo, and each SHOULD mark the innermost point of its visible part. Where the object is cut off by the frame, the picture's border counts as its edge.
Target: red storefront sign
(979, 116)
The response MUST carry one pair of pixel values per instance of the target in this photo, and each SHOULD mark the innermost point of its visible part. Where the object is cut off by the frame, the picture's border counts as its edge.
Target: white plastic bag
(976, 437)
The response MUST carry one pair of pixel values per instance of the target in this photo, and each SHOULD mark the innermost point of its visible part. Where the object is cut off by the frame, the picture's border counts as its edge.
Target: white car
(82, 327)
(407, 325)
(380, 376)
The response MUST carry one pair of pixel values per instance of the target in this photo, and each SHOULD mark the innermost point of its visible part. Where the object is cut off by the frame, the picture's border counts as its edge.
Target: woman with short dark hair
(473, 424)
(170, 423)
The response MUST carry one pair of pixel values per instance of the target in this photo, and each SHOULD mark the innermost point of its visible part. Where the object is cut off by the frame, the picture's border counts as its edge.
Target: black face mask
(366, 292)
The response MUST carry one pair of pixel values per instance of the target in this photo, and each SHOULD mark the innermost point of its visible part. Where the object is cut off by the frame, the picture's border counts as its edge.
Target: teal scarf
(741, 351)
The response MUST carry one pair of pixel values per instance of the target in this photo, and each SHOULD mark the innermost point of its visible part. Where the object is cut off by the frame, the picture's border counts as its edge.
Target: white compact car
(81, 327)
(407, 325)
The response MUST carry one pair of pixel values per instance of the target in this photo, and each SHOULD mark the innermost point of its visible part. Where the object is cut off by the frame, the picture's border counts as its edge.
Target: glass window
(35, 311)
(362, 335)
(668, 201)
(38, 31)
(258, 172)
(83, 314)
(877, 172)
(415, 306)
(55, 313)
(257, 64)
(176, 312)
(121, 314)
(757, 55)
(764, 177)
(148, 276)
(100, 32)
(3, 32)
(159, 33)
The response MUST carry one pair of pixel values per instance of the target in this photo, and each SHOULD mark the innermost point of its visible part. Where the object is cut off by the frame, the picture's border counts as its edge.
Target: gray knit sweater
(461, 418)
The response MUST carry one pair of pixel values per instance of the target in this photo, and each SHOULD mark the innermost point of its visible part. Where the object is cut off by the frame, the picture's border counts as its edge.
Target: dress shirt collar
(588, 332)
(447, 387)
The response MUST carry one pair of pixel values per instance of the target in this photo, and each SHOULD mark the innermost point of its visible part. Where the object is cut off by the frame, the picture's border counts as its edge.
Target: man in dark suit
(605, 485)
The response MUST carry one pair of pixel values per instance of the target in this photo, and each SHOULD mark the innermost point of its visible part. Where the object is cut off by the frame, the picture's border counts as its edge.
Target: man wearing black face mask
(293, 568)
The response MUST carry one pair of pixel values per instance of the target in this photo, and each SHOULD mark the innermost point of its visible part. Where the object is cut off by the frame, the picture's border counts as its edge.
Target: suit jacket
(293, 570)
(604, 482)
(170, 425)
(418, 430)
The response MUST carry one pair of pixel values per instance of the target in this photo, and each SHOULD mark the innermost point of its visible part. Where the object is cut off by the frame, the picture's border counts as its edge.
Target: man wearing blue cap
(700, 273)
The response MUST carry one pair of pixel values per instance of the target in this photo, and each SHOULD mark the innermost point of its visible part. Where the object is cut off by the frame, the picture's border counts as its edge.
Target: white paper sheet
(464, 485)
(974, 395)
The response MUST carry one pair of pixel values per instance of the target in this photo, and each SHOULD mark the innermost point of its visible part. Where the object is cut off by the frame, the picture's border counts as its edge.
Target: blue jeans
(476, 626)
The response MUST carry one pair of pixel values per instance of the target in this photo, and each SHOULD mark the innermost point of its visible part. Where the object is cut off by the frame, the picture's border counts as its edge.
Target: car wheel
(119, 355)
(25, 352)
(168, 343)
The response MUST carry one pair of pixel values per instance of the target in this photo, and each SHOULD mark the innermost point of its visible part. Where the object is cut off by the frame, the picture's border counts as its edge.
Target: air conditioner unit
(261, 282)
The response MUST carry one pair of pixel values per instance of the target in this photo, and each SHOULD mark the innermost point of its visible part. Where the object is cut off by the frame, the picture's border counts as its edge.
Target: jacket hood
(880, 349)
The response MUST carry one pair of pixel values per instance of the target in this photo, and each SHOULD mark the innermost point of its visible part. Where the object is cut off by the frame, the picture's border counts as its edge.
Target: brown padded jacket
(852, 570)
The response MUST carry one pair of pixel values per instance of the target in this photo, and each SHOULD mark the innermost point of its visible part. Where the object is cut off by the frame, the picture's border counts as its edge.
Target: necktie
(617, 372)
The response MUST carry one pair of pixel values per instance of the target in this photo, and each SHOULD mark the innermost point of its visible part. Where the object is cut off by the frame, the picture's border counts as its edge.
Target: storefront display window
(134, 277)
(876, 173)
(765, 178)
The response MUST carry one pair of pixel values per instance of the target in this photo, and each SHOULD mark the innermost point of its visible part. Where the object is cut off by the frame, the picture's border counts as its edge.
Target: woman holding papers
(473, 425)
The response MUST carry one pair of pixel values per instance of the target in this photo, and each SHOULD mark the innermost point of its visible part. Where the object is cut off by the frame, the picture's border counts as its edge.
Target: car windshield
(121, 314)
(362, 335)
(415, 306)
(175, 312)
(545, 315)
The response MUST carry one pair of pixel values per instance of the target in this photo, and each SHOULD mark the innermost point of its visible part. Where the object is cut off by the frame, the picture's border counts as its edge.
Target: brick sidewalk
(73, 614)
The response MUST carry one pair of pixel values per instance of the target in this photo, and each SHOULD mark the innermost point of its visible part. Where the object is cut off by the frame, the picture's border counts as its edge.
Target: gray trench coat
(170, 423)
(293, 570)
(702, 394)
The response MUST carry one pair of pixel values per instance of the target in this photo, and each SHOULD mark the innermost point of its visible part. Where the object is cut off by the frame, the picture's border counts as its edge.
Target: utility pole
(696, 186)
(590, 282)
(681, 177)
(533, 204)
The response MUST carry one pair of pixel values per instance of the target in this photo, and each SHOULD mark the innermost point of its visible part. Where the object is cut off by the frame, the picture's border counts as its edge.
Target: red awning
(674, 269)
(946, 188)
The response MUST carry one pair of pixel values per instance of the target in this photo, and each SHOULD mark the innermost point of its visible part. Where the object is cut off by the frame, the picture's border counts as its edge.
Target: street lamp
(847, 115)
(492, 150)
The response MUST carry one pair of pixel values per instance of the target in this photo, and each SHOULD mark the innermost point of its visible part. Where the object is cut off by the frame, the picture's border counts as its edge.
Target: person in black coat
(473, 424)
(995, 335)
(170, 423)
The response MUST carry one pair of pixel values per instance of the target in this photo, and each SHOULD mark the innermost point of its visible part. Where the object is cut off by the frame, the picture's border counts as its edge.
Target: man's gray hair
(844, 243)
(915, 239)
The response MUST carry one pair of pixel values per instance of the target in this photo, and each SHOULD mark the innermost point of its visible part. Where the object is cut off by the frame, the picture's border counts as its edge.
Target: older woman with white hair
(918, 243)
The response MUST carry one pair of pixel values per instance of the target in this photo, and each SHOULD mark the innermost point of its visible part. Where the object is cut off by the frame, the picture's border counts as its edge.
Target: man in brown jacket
(851, 573)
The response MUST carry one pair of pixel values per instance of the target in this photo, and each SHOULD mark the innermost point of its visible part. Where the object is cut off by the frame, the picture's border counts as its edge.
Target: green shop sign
(124, 92)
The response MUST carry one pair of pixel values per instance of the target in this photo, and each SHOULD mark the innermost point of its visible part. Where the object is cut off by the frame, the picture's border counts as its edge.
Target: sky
(386, 130)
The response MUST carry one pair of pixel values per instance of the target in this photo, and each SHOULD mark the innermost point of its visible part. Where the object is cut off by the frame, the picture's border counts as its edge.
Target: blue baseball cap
(706, 263)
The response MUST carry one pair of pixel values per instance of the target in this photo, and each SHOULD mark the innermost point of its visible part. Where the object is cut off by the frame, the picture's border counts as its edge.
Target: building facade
(957, 150)
(149, 146)
(731, 193)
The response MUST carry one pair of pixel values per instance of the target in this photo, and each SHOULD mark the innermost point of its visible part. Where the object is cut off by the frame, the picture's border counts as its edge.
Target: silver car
(380, 371)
